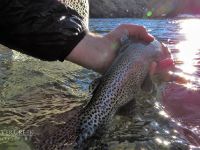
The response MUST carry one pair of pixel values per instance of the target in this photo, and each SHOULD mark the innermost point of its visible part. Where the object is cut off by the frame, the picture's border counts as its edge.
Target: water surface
(35, 95)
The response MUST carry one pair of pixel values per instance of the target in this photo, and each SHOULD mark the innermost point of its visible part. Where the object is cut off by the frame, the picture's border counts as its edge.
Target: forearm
(95, 52)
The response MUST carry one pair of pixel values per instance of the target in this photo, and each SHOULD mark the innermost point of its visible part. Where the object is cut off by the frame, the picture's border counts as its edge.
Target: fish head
(159, 53)
(165, 68)
(144, 54)
(155, 51)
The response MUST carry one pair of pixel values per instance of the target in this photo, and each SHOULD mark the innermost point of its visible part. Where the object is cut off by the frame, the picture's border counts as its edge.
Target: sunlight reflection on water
(43, 88)
(182, 102)
(187, 57)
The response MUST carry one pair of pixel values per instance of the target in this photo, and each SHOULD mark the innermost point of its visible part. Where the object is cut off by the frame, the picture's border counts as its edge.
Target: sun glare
(191, 45)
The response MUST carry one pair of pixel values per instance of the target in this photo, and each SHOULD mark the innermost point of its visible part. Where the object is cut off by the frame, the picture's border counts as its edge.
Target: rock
(117, 8)
(142, 8)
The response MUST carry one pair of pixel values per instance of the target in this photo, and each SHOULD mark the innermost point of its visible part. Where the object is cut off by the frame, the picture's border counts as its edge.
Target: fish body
(120, 84)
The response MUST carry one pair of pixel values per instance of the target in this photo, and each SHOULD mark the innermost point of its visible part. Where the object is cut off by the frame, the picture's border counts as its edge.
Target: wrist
(94, 52)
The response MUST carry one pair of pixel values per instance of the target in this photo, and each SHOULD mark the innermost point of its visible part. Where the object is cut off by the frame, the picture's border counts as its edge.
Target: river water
(36, 96)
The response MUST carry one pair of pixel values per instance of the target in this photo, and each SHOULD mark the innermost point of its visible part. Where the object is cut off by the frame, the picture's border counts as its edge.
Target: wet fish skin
(120, 84)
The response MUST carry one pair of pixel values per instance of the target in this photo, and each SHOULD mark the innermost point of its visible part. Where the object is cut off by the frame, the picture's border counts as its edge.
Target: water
(37, 96)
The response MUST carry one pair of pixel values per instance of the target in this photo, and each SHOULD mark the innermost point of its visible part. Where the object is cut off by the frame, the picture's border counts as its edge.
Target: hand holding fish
(140, 33)
(123, 82)
(97, 52)
(120, 84)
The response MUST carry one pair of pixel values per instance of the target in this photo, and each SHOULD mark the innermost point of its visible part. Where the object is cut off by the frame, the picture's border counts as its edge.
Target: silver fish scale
(120, 84)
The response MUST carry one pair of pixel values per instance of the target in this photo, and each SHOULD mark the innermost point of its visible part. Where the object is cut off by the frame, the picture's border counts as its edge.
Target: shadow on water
(37, 97)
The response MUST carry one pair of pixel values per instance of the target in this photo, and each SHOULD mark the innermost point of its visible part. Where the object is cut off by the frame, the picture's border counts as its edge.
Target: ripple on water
(39, 96)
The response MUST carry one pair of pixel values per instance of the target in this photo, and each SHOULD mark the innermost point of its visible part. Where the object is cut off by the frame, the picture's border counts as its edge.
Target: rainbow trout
(120, 84)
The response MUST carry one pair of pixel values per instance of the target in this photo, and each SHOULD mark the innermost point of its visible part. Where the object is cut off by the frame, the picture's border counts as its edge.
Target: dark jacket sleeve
(45, 29)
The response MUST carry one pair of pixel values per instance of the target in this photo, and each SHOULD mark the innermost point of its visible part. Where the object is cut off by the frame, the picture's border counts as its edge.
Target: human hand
(115, 37)
(135, 31)
(97, 52)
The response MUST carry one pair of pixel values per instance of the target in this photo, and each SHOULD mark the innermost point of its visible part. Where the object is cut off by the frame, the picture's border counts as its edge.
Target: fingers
(138, 32)
(144, 35)
(135, 31)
